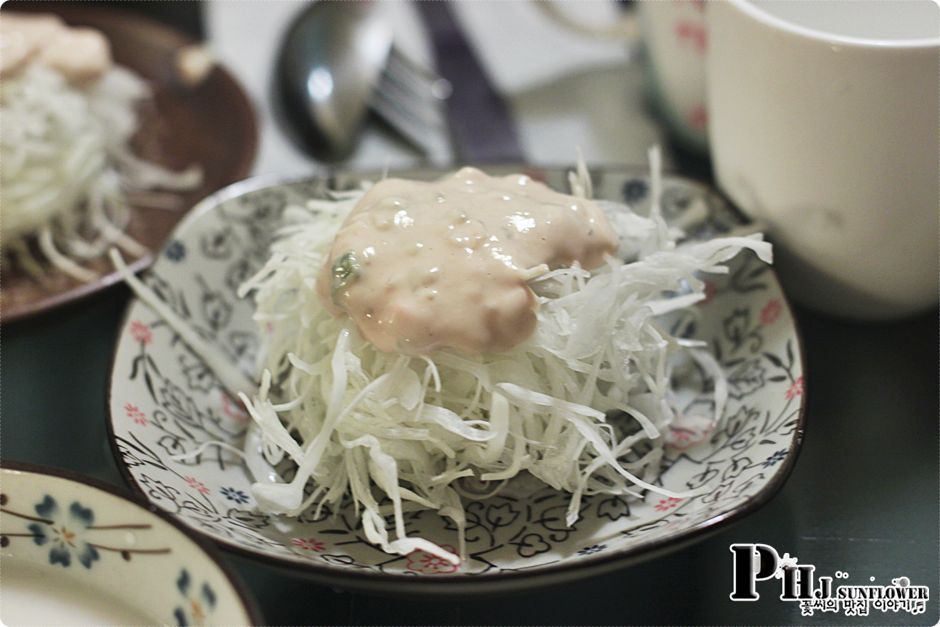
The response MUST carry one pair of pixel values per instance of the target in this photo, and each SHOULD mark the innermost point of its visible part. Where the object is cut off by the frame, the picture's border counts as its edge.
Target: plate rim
(209, 548)
(453, 584)
(244, 167)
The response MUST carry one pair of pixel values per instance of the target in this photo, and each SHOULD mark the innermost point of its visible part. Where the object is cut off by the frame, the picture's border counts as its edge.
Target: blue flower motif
(63, 532)
(634, 190)
(235, 495)
(774, 459)
(175, 251)
(675, 200)
(183, 581)
(594, 548)
(196, 606)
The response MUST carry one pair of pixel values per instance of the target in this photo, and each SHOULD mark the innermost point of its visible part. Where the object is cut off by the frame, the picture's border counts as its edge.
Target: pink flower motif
(694, 33)
(141, 332)
(681, 438)
(697, 117)
(308, 544)
(427, 564)
(666, 504)
(709, 290)
(197, 485)
(796, 389)
(233, 409)
(133, 412)
(680, 435)
(771, 311)
(689, 429)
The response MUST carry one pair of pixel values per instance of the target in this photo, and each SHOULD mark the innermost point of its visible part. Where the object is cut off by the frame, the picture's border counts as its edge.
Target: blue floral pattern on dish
(774, 459)
(175, 251)
(591, 550)
(64, 531)
(68, 532)
(197, 604)
(54, 523)
(233, 494)
(634, 190)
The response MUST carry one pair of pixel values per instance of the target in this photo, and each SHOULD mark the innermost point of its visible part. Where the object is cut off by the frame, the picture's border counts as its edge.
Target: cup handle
(625, 28)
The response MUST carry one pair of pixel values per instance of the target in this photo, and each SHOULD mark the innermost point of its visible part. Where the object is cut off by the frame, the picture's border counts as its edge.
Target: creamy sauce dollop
(80, 55)
(421, 266)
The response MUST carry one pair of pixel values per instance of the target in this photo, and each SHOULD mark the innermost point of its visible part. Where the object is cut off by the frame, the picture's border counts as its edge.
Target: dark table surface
(863, 497)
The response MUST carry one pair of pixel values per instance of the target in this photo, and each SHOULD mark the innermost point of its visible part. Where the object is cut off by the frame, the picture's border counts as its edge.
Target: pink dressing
(421, 266)
(79, 54)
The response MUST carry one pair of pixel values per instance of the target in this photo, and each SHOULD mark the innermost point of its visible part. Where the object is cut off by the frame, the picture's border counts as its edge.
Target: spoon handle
(480, 122)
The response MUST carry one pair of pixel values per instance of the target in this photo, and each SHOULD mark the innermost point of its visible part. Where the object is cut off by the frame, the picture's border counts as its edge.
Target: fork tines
(410, 99)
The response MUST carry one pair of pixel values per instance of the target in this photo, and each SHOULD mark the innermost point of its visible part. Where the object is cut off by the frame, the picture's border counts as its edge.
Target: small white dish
(75, 552)
(164, 402)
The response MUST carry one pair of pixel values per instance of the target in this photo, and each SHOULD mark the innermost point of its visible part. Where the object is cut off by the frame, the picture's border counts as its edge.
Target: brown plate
(212, 125)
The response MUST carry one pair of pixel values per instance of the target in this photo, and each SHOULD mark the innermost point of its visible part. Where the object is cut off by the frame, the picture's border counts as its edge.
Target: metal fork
(410, 99)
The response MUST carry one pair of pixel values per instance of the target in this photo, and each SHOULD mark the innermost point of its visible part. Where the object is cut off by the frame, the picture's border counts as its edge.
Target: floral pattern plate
(165, 402)
(74, 550)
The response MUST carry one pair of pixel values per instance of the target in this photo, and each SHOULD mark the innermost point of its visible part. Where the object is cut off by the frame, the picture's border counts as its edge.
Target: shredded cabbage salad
(67, 168)
(395, 432)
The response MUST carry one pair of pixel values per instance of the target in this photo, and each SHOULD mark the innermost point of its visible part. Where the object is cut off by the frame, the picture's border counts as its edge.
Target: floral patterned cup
(675, 37)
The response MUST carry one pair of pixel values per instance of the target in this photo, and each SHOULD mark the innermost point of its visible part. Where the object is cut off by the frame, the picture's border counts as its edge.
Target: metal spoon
(329, 64)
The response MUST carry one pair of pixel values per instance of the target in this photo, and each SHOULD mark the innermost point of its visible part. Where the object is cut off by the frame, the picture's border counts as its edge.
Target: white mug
(824, 126)
(676, 38)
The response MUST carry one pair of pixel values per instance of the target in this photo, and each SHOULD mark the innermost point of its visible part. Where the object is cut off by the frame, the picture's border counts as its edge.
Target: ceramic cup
(824, 126)
(675, 37)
